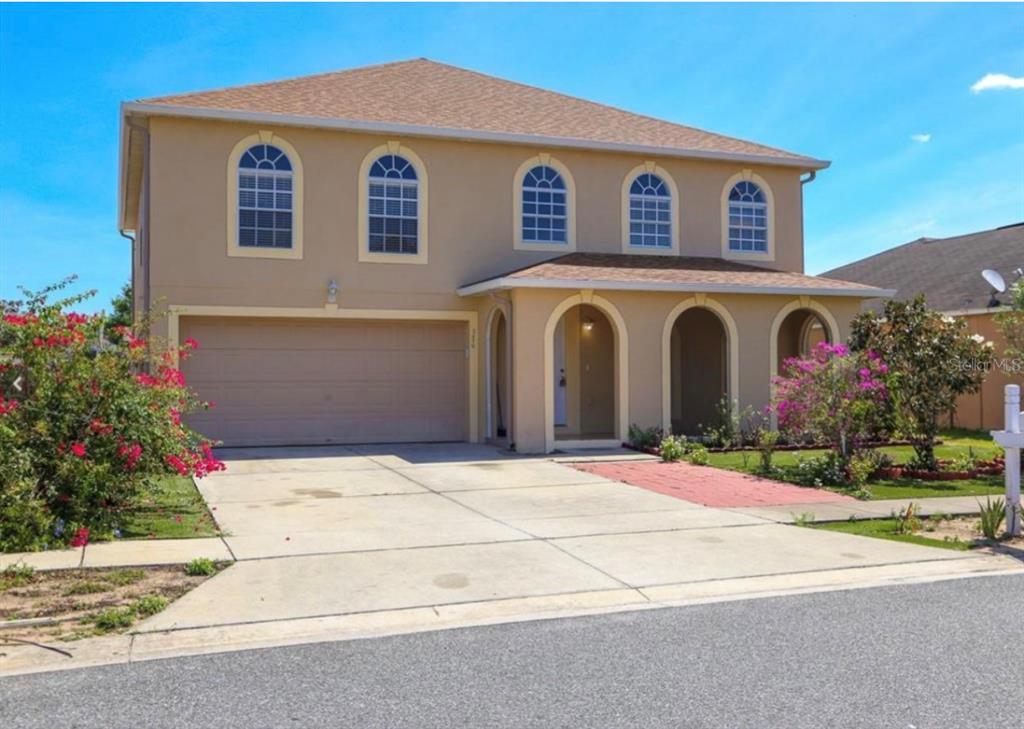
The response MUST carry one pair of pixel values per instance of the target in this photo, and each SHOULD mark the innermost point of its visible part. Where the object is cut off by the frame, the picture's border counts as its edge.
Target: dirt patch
(966, 529)
(86, 602)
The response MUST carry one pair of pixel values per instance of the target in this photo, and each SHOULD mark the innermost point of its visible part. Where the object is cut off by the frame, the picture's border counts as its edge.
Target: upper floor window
(265, 198)
(650, 212)
(748, 218)
(545, 212)
(393, 206)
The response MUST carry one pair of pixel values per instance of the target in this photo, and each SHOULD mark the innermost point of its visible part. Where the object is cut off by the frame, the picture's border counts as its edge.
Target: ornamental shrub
(87, 427)
(932, 359)
(833, 396)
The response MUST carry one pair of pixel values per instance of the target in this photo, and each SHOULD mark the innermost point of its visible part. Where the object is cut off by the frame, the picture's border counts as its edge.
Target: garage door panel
(290, 382)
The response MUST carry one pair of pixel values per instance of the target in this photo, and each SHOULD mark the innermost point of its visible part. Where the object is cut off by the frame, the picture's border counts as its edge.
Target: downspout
(811, 174)
(510, 417)
(131, 239)
(142, 235)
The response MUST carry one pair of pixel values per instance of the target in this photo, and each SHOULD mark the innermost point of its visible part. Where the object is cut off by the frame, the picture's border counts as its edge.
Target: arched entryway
(586, 374)
(797, 328)
(698, 374)
(799, 332)
(499, 381)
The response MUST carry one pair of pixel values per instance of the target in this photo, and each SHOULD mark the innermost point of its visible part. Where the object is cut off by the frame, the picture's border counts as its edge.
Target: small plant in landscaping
(149, 605)
(698, 454)
(992, 515)
(201, 567)
(125, 576)
(644, 438)
(18, 574)
(964, 461)
(859, 470)
(673, 448)
(110, 619)
(908, 520)
(766, 439)
(804, 519)
(818, 471)
(86, 588)
(727, 430)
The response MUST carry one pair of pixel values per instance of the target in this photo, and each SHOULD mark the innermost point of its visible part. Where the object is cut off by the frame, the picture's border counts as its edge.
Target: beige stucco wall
(984, 409)
(470, 221)
(470, 238)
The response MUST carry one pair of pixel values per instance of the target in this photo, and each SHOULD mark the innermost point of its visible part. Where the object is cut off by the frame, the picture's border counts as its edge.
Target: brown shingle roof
(667, 273)
(946, 270)
(430, 95)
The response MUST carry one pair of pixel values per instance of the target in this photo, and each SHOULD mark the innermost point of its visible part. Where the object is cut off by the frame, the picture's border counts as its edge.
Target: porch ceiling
(667, 273)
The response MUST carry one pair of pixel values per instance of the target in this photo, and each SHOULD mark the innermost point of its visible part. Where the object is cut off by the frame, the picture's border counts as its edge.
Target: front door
(560, 389)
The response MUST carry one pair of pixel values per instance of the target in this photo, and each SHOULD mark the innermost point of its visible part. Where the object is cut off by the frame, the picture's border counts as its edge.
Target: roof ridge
(610, 106)
(259, 84)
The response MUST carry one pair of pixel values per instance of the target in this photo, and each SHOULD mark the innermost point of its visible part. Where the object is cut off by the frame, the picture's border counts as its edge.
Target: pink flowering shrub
(832, 396)
(87, 427)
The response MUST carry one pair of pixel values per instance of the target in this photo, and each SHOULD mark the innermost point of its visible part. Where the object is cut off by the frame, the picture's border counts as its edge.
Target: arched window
(265, 198)
(393, 206)
(748, 218)
(545, 213)
(650, 212)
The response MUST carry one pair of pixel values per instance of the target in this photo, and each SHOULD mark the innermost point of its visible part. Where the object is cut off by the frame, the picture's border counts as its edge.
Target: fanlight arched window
(393, 206)
(544, 206)
(650, 212)
(748, 218)
(264, 198)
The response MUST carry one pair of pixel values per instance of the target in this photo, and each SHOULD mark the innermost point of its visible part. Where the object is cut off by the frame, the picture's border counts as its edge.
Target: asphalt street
(930, 656)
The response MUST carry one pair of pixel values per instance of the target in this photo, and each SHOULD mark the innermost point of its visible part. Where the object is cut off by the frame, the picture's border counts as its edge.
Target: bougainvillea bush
(832, 396)
(933, 359)
(87, 427)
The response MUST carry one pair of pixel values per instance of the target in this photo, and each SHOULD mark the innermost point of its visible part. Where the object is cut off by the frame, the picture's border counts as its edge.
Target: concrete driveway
(381, 538)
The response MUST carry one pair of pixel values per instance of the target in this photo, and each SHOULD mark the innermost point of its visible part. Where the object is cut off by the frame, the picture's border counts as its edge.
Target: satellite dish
(994, 279)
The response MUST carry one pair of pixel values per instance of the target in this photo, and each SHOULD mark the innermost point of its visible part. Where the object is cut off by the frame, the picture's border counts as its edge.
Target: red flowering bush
(87, 427)
(833, 396)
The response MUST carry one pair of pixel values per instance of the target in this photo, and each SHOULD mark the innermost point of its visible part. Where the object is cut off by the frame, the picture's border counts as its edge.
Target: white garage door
(295, 382)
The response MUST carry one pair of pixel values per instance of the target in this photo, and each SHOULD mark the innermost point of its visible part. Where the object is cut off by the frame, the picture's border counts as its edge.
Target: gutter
(508, 282)
(419, 130)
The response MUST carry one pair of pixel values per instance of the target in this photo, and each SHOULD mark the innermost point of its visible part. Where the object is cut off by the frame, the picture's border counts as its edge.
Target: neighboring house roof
(946, 270)
(434, 99)
(666, 273)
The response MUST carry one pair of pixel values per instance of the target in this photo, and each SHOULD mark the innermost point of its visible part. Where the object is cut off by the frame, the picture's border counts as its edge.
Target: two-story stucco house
(417, 252)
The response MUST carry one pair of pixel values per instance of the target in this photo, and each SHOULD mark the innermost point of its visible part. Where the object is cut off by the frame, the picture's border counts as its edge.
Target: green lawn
(174, 511)
(955, 442)
(886, 529)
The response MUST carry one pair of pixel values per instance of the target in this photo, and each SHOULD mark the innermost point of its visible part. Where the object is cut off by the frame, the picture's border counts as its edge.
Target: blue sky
(848, 83)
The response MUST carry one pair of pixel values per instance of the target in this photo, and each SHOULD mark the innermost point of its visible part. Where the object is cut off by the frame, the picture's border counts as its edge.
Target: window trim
(748, 176)
(234, 250)
(365, 254)
(676, 233)
(546, 160)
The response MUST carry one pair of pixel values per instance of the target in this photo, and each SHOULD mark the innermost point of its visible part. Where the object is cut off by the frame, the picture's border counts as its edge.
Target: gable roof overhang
(805, 164)
(617, 272)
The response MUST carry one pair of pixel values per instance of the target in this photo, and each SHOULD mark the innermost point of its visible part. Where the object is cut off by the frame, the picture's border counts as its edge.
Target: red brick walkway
(709, 486)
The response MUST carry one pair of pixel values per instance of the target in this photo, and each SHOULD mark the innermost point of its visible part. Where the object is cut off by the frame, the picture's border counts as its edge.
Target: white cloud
(921, 138)
(997, 81)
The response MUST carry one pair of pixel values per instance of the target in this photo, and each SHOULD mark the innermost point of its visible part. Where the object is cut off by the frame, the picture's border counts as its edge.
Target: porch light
(332, 291)
(588, 324)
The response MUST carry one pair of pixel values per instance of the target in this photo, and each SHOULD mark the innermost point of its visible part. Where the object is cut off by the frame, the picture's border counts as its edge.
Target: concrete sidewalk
(336, 543)
(126, 553)
(881, 509)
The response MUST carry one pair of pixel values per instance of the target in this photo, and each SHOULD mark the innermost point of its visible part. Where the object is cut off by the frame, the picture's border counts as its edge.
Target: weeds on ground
(201, 567)
(908, 520)
(18, 574)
